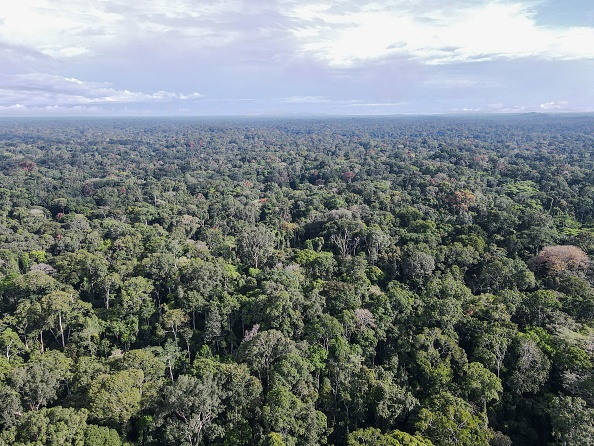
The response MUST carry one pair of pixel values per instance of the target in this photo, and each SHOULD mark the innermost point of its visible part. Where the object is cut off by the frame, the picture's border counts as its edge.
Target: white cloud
(58, 52)
(291, 55)
(554, 106)
(48, 90)
(381, 104)
(342, 33)
(499, 107)
(472, 32)
(306, 100)
(23, 110)
(64, 29)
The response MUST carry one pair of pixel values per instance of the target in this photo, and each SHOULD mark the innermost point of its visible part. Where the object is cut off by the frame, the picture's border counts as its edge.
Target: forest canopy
(354, 281)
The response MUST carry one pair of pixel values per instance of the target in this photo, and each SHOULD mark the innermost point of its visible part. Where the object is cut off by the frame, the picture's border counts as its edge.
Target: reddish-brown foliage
(349, 176)
(27, 165)
(560, 258)
(462, 200)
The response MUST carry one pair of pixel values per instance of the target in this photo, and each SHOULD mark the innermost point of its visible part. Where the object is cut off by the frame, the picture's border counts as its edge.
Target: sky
(292, 57)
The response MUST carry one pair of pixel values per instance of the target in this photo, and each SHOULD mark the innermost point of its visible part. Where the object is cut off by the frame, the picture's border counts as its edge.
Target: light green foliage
(153, 371)
(538, 307)
(172, 320)
(406, 439)
(322, 330)
(374, 437)
(443, 301)
(116, 397)
(82, 269)
(11, 346)
(136, 297)
(390, 400)
(189, 408)
(63, 314)
(53, 427)
(480, 384)
(492, 346)
(273, 439)
(12, 408)
(370, 437)
(437, 356)
(101, 436)
(531, 367)
(572, 420)
(317, 264)
(30, 285)
(297, 282)
(40, 379)
(263, 350)
(298, 420)
(58, 426)
(277, 308)
(450, 420)
(505, 273)
(255, 244)
(401, 300)
(240, 391)
(85, 371)
(417, 264)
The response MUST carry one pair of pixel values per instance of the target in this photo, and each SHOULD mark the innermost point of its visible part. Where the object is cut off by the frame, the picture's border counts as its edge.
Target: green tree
(298, 422)
(188, 410)
(572, 421)
(505, 273)
(417, 264)
(101, 436)
(63, 312)
(54, 426)
(374, 437)
(480, 384)
(173, 319)
(153, 370)
(10, 343)
(40, 380)
(273, 439)
(531, 366)
(449, 420)
(136, 297)
(388, 399)
(115, 398)
(538, 307)
(261, 351)
(255, 244)
(492, 346)
(12, 409)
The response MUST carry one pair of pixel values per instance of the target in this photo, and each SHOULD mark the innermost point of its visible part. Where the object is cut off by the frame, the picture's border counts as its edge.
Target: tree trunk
(170, 371)
(61, 329)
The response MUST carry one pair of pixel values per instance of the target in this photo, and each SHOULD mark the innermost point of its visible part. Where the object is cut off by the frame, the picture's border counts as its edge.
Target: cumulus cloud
(466, 32)
(554, 106)
(23, 110)
(66, 29)
(49, 90)
(339, 32)
(306, 100)
(428, 55)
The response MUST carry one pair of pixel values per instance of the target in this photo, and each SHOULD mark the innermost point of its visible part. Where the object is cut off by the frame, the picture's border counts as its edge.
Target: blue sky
(251, 57)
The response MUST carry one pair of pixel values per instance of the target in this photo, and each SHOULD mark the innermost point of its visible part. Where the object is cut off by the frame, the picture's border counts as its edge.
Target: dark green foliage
(189, 409)
(392, 281)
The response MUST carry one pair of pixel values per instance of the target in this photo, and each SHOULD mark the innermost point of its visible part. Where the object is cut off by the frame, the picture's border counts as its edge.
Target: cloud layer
(286, 56)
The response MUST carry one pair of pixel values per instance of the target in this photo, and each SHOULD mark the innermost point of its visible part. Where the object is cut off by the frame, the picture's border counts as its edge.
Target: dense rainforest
(355, 281)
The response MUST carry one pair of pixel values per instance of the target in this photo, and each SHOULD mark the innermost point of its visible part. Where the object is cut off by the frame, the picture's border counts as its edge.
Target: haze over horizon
(234, 57)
